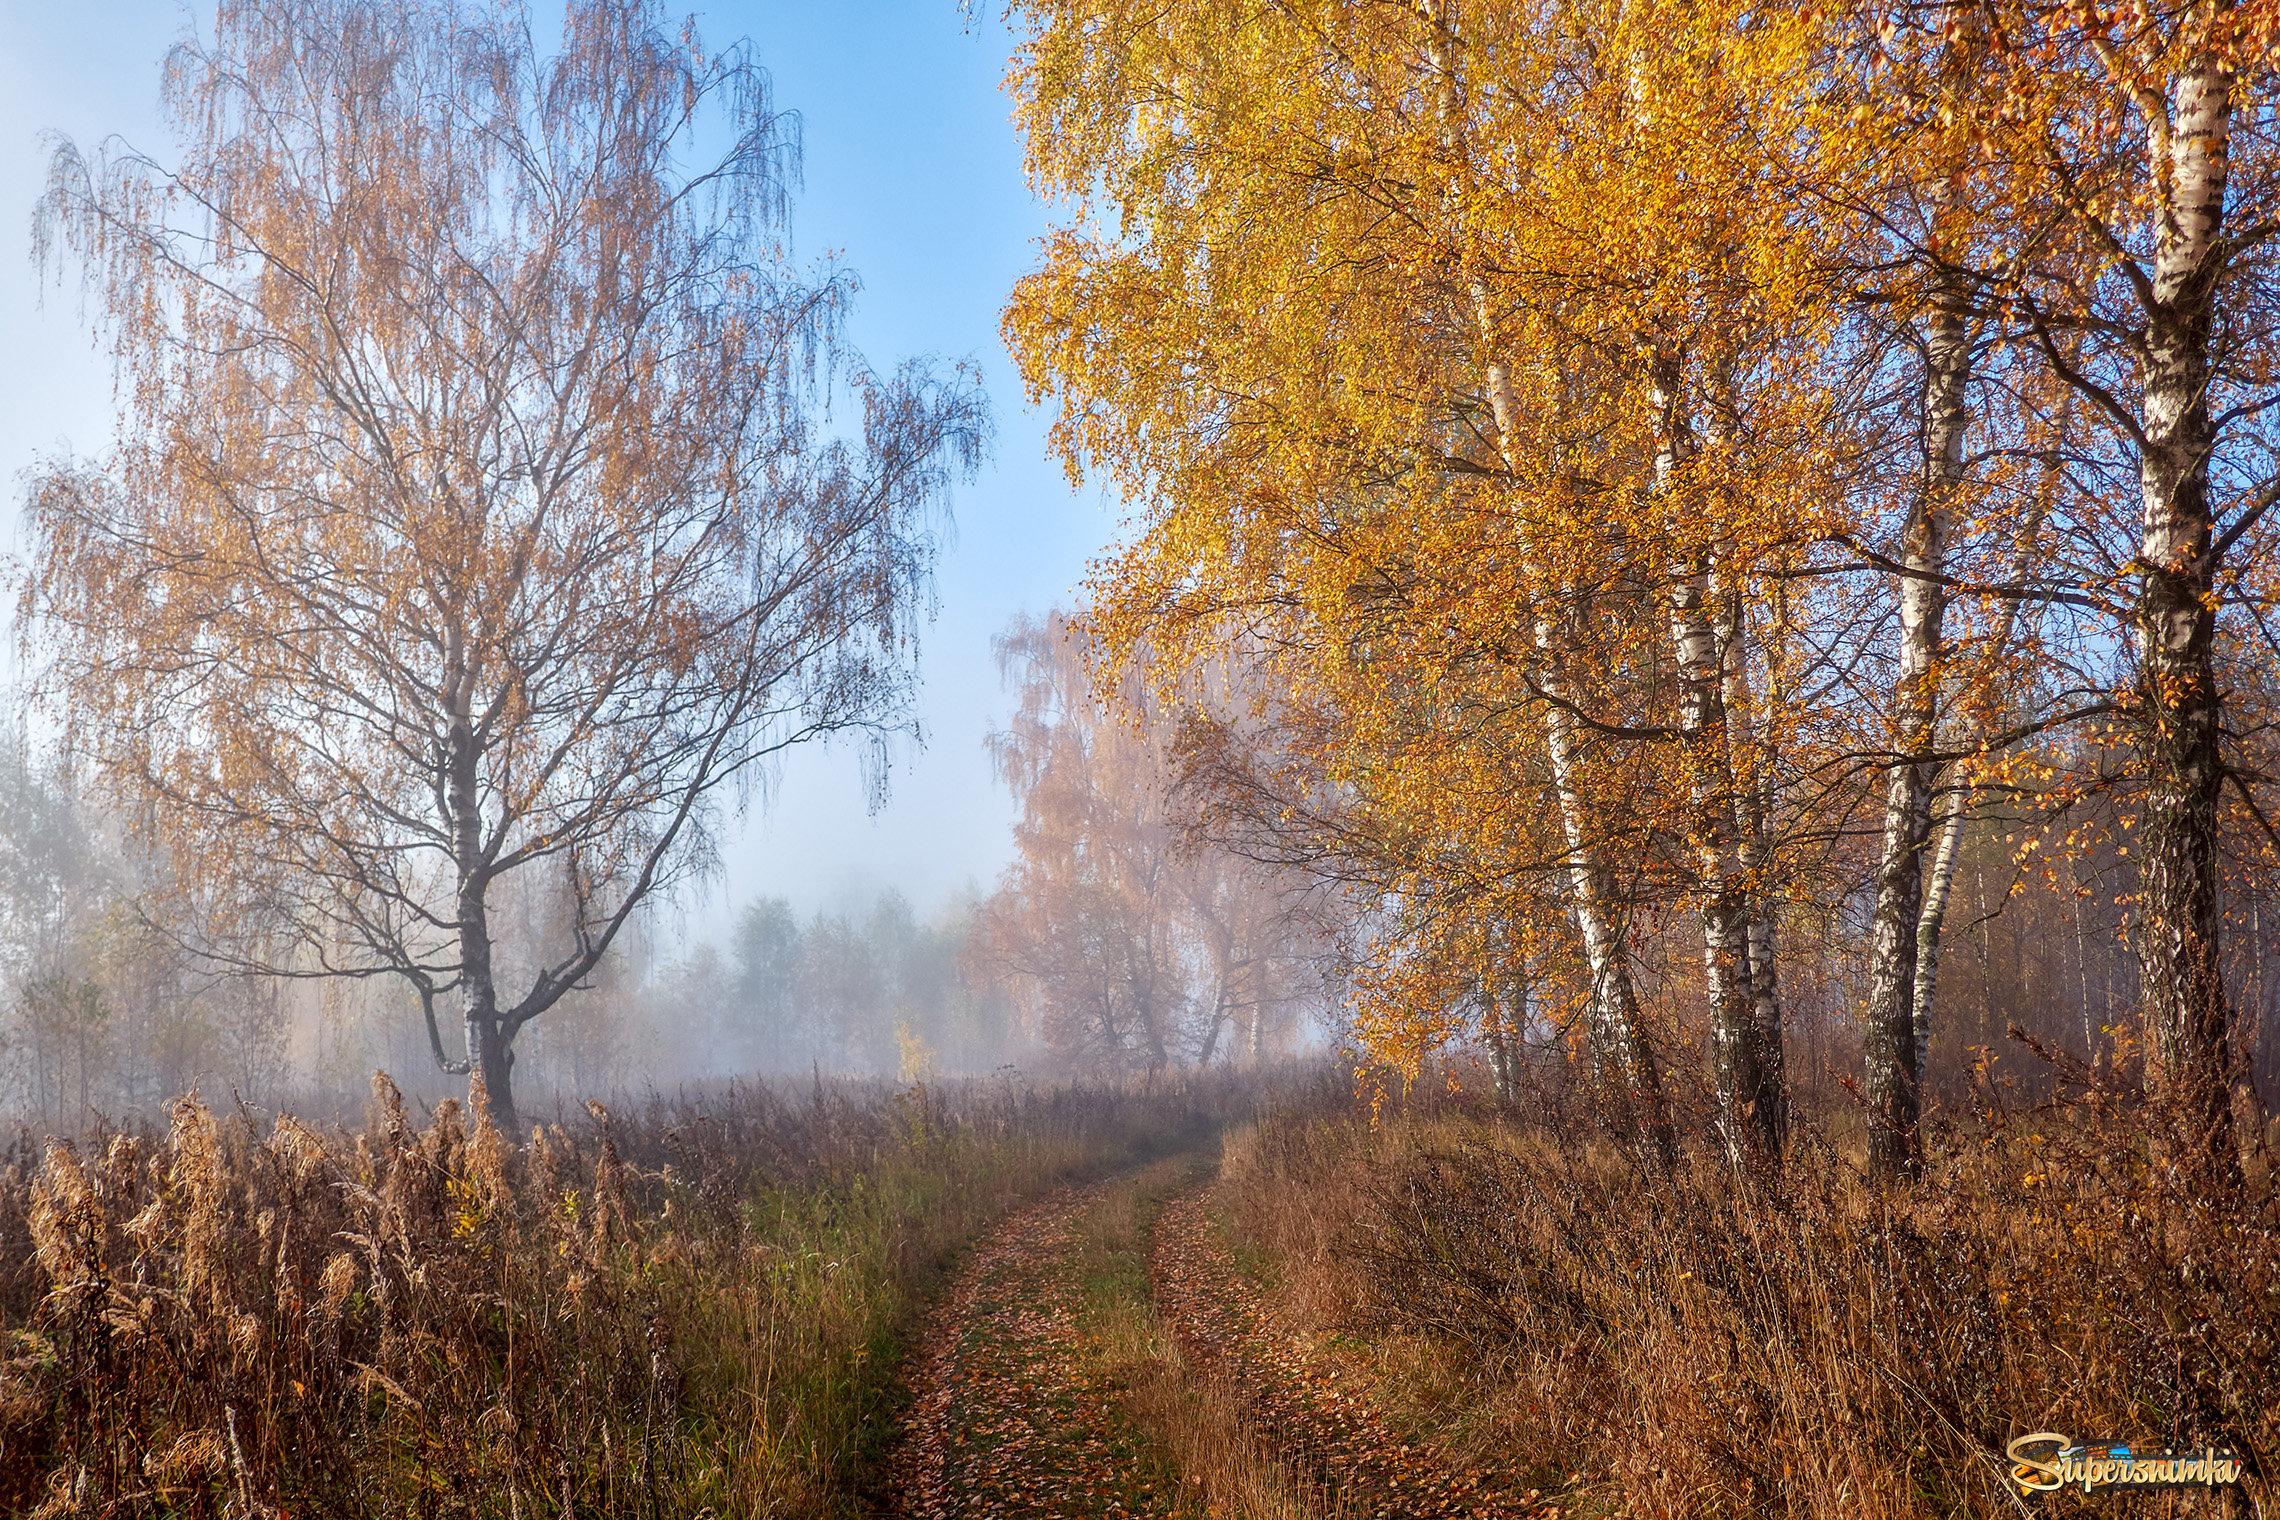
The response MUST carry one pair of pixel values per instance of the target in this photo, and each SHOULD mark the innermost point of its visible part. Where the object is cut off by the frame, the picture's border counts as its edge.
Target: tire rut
(1311, 1413)
(1011, 1413)
(1015, 1414)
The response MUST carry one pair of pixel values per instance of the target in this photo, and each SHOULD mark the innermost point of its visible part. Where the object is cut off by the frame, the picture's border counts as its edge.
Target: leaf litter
(1013, 1413)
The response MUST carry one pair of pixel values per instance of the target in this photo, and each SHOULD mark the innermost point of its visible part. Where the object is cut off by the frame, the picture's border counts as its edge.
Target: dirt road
(1018, 1411)
(1314, 1411)
(1013, 1414)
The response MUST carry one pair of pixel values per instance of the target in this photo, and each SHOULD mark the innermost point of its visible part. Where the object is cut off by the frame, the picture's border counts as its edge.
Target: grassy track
(1103, 1355)
(1308, 1404)
(1016, 1412)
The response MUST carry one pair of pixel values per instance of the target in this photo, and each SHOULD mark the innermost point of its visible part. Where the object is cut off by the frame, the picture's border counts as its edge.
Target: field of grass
(1242, 1297)
(697, 1307)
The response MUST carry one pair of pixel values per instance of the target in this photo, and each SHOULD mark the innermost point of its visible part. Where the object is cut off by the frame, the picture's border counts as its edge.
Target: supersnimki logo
(2046, 1461)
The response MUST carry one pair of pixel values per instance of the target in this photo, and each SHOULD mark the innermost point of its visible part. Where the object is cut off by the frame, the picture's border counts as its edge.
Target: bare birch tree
(475, 514)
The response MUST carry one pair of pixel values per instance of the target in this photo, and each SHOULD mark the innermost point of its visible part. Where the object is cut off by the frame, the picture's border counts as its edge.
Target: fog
(105, 1018)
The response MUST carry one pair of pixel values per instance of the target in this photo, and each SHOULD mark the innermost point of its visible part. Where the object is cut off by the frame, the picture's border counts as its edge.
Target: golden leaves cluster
(1435, 342)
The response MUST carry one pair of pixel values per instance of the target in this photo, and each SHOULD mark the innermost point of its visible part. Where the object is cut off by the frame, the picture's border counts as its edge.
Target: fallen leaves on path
(1012, 1414)
(1315, 1412)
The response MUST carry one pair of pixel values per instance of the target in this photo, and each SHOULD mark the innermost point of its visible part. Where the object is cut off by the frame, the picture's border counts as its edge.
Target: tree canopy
(1661, 449)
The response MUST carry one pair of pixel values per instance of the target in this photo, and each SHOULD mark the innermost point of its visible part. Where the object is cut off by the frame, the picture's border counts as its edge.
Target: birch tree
(1942, 301)
(1376, 374)
(1135, 943)
(2141, 147)
(475, 514)
(1634, 432)
(1347, 374)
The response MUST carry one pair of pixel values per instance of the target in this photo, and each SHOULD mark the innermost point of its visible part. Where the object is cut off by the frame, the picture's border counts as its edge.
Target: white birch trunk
(2187, 1019)
(1621, 1051)
(1744, 1119)
(1938, 886)
(1892, 1061)
(1951, 821)
(1624, 1058)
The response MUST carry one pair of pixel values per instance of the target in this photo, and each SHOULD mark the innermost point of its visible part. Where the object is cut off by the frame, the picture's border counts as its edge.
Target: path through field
(1012, 1416)
(1019, 1411)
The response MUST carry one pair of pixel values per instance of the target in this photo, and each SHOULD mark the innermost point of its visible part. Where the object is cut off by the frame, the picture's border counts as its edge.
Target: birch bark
(1745, 1121)
(1949, 822)
(1892, 1061)
(1624, 1058)
(1939, 886)
(2187, 1018)
(488, 1046)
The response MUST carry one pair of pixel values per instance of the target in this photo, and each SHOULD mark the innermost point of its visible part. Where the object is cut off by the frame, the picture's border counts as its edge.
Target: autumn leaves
(1674, 465)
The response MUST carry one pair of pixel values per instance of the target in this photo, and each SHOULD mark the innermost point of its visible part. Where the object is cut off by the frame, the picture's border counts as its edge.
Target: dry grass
(695, 1308)
(1818, 1348)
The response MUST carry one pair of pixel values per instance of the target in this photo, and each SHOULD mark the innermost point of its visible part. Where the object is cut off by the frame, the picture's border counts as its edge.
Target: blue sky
(913, 174)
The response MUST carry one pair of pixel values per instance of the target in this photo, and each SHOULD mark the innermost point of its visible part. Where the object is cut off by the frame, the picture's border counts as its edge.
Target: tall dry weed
(1815, 1347)
(693, 1305)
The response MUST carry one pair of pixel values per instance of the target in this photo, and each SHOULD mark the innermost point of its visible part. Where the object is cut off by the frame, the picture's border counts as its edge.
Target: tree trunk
(1505, 1006)
(1951, 821)
(1746, 1122)
(1629, 1079)
(1218, 1022)
(1749, 826)
(1630, 1083)
(1500, 1064)
(1892, 1060)
(2188, 1023)
(496, 1057)
(1151, 1030)
(1751, 807)
(489, 1042)
(1750, 783)
(1930, 922)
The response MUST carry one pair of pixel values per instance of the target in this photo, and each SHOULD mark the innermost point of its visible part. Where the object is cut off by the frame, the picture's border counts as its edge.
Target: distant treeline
(1091, 962)
(102, 1012)
(869, 990)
